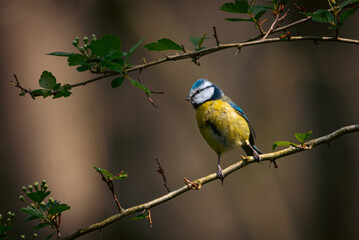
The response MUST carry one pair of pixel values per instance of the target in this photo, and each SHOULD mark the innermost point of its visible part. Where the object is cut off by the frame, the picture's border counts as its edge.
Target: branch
(204, 180)
(220, 47)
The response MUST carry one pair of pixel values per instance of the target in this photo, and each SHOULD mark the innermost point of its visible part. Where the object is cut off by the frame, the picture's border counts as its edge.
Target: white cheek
(203, 96)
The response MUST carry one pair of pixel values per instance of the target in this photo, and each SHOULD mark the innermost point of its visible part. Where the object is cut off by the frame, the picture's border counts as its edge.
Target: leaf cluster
(110, 176)
(164, 44)
(47, 214)
(50, 87)
(301, 137)
(103, 55)
(6, 224)
(253, 10)
(339, 11)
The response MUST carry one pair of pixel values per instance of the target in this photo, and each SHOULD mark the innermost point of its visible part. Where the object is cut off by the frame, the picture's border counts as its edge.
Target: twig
(277, 21)
(149, 217)
(23, 90)
(207, 179)
(109, 183)
(139, 77)
(57, 226)
(272, 26)
(284, 28)
(215, 35)
(162, 172)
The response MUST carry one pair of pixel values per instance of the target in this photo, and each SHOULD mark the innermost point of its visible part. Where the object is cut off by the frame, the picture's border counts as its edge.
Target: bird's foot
(257, 157)
(220, 173)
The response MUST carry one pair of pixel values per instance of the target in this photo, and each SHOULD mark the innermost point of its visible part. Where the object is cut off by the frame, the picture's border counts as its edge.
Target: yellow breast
(221, 126)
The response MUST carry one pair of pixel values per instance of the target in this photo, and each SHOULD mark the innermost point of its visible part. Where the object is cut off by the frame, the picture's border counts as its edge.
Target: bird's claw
(220, 173)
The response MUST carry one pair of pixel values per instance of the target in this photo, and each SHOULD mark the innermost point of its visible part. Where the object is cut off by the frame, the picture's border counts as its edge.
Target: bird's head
(203, 91)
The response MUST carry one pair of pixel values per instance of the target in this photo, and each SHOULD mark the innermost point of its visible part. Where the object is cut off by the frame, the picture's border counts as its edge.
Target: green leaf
(4, 229)
(109, 175)
(50, 236)
(114, 66)
(114, 54)
(139, 85)
(57, 86)
(121, 175)
(141, 216)
(42, 225)
(240, 6)
(117, 82)
(348, 2)
(347, 14)
(302, 137)
(198, 41)
(41, 92)
(133, 49)
(63, 91)
(163, 44)
(281, 144)
(61, 54)
(104, 172)
(259, 10)
(321, 16)
(33, 212)
(84, 67)
(38, 196)
(105, 45)
(77, 59)
(58, 208)
(47, 80)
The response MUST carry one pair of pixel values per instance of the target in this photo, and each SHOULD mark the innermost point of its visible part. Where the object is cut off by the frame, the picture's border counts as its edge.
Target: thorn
(184, 50)
(274, 162)
(192, 185)
(238, 51)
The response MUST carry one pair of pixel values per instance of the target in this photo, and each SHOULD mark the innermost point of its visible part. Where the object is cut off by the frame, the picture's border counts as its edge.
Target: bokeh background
(284, 88)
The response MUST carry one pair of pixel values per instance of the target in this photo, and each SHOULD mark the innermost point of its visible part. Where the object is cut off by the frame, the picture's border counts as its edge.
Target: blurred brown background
(284, 88)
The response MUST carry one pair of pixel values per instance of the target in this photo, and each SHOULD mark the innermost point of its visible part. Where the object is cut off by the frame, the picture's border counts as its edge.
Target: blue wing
(240, 112)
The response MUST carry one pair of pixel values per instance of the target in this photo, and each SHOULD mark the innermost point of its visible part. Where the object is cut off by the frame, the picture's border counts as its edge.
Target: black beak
(189, 99)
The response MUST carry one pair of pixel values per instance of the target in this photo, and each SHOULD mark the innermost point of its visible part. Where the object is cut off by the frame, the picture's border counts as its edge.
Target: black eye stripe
(200, 90)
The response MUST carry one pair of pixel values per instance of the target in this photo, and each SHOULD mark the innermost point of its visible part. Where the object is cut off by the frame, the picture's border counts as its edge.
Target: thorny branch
(219, 47)
(209, 178)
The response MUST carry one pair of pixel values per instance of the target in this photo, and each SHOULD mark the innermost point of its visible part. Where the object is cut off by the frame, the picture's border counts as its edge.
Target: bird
(221, 122)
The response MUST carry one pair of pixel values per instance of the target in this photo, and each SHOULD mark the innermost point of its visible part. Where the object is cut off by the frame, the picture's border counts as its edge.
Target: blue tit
(221, 122)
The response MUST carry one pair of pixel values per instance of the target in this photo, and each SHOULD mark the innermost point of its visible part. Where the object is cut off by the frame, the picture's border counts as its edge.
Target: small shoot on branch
(47, 214)
(301, 137)
(198, 42)
(339, 11)
(108, 178)
(146, 214)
